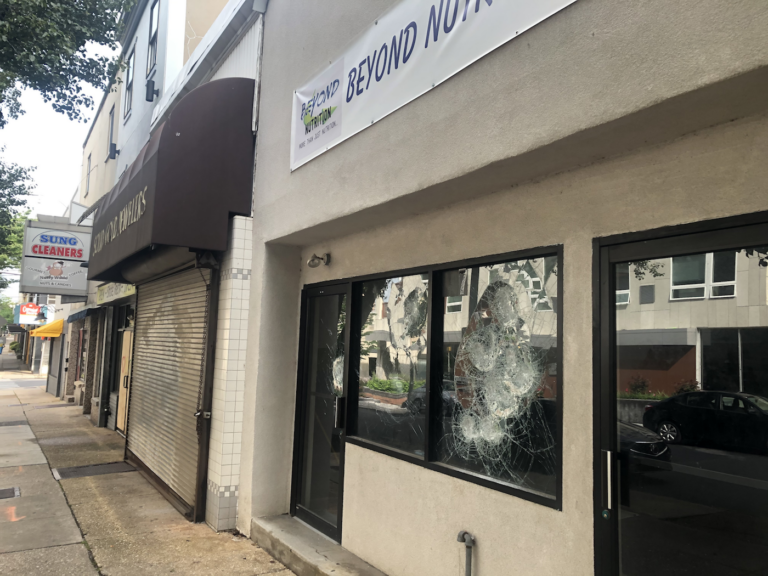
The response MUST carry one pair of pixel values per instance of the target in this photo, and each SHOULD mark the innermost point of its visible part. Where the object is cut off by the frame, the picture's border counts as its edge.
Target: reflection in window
(622, 283)
(723, 274)
(499, 383)
(688, 276)
(393, 362)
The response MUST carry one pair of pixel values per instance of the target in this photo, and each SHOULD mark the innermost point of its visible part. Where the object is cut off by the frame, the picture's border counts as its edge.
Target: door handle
(338, 417)
(125, 381)
(607, 490)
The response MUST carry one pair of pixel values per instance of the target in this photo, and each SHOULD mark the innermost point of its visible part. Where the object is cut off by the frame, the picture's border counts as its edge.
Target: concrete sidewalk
(112, 524)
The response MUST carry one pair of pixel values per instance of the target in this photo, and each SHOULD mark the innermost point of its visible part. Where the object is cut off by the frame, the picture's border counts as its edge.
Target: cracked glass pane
(500, 365)
(393, 362)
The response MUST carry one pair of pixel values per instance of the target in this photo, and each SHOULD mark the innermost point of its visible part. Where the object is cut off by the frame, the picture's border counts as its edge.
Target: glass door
(319, 450)
(684, 413)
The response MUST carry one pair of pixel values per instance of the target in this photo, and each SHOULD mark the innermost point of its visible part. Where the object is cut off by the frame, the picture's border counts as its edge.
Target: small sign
(113, 291)
(28, 314)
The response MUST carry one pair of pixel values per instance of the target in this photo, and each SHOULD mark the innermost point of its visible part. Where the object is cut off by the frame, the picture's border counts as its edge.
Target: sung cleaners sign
(415, 46)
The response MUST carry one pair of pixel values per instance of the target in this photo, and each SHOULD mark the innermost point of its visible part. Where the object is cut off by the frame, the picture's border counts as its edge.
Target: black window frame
(705, 236)
(153, 36)
(434, 377)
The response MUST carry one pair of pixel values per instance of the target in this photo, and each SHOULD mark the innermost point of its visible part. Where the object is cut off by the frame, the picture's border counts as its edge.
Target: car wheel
(670, 432)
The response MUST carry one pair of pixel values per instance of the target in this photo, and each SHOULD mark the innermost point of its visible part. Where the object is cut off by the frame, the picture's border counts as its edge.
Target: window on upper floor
(129, 83)
(111, 139)
(88, 177)
(723, 274)
(453, 304)
(710, 275)
(154, 15)
(622, 283)
(689, 277)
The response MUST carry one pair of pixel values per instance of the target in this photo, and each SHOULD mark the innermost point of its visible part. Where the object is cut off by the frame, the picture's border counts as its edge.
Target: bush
(395, 386)
(626, 395)
(685, 386)
(14, 346)
(639, 385)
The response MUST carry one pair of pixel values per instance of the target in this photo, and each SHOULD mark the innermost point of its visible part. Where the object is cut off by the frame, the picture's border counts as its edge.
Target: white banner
(415, 46)
(51, 262)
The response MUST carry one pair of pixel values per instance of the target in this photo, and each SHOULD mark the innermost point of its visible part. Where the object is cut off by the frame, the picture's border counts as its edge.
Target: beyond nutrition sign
(52, 258)
(412, 48)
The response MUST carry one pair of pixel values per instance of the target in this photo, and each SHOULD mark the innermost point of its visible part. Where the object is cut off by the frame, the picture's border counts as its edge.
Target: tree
(6, 309)
(15, 186)
(43, 47)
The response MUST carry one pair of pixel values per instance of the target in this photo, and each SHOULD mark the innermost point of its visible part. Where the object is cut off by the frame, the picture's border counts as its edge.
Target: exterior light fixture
(316, 260)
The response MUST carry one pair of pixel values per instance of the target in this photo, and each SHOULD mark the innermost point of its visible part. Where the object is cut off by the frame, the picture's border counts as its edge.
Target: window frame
(434, 371)
(672, 286)
(448, 305)
(627, 291)
(131, 73)
(153, 38)
(709, 283)
(711, 276)
(88, 177)
(111, 133)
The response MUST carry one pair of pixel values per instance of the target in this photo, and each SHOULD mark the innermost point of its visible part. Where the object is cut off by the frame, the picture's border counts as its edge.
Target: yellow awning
(52, 330)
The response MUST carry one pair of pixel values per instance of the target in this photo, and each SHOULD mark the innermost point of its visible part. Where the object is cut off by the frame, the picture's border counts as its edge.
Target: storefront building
(174, 227)
(458, 272)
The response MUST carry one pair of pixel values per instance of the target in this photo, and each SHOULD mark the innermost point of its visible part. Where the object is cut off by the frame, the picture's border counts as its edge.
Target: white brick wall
(229, 378)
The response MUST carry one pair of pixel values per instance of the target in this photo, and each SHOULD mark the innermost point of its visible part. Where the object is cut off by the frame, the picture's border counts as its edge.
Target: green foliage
(639, 385)
(643, 396)
(394, 386)
(15, 186)
(652, 267)
(639, 388)
(6, 309)
(14, 346)
(761, 253)
(686, 386)
(43, 47)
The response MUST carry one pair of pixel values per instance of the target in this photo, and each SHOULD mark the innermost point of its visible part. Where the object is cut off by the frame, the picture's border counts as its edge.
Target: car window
(702, 400)
(733, 404)
(761, 402)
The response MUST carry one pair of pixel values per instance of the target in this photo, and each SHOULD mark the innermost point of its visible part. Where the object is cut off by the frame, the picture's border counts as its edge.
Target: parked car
(639, 443)
(729, 420)
(418, 402)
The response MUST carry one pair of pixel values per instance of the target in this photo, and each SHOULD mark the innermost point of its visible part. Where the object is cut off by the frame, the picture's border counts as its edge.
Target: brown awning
(194, 172)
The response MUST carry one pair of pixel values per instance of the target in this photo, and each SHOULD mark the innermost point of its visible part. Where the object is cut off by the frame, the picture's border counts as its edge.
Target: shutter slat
(165, 381)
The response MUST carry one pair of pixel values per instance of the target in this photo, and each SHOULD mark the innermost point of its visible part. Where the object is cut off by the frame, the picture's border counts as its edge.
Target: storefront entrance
(318, 470)
(126, 354)
(682, 447)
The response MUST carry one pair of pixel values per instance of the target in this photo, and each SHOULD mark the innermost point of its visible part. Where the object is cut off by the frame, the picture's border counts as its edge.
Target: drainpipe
(469, 542)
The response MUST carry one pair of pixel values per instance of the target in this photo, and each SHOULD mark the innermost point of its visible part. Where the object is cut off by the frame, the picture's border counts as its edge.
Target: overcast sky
(54, 144)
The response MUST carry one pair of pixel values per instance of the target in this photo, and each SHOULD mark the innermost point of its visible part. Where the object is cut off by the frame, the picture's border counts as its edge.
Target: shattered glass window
(393, 362)
(499, 381)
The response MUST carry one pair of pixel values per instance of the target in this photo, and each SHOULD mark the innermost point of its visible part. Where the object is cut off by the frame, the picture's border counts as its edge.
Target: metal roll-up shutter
(167, 373)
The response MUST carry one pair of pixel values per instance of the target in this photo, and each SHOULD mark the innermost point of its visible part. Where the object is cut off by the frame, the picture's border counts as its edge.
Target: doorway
(126, 347)
(318, 465)
(681, 449)
(121, 381)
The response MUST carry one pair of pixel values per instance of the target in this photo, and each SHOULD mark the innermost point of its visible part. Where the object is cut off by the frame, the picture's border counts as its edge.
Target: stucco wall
(103, 170)
(591, 64)
(714, 173)
(507, 155)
